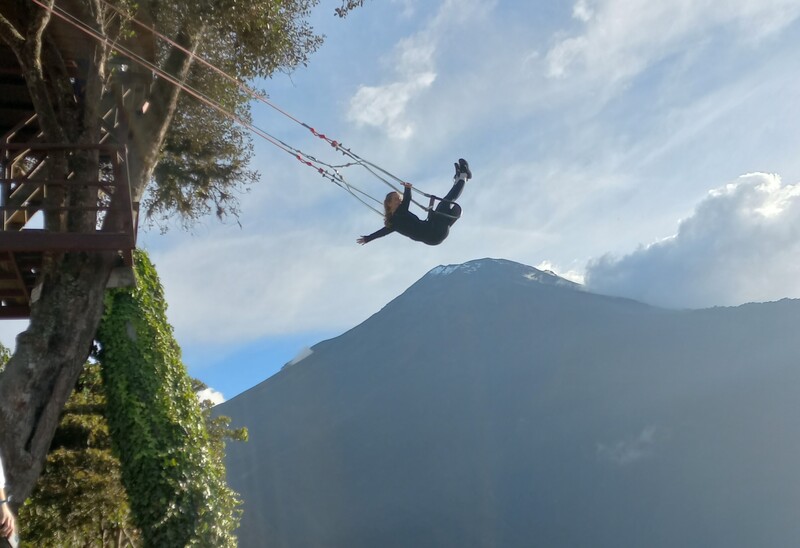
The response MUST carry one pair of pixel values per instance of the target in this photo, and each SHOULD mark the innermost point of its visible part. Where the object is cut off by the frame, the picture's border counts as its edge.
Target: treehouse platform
(39, 210)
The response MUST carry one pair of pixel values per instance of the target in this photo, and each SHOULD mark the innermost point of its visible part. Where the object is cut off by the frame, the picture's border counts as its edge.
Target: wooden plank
(60, 146)
(11, 292)
(42, 240)
(15, 312)
(61, 182)
(41, 207)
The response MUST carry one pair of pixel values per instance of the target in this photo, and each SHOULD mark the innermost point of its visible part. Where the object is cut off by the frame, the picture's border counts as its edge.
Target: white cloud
(384, 106)
(629, 450)
(237, 288)
(414, 71)
(408, 7)
(571, 275)
(211, 394)
(741, 244)
(622, 37)
(582, 11)
(563, 55)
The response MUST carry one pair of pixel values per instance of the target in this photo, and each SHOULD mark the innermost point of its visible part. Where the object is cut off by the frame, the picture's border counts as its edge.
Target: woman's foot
(463, 167)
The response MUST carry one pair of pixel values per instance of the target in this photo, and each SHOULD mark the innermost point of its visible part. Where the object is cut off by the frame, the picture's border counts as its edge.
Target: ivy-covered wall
(174, 478)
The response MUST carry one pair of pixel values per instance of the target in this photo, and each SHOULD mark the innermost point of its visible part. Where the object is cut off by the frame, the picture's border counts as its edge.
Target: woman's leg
(455, 192)
(449, 213)
(455, 214)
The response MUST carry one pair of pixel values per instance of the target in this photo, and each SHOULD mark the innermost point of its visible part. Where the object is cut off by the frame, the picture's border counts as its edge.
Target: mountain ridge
(483, 408)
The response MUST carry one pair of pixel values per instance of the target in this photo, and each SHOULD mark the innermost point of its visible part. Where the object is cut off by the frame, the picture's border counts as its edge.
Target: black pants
(449, 209)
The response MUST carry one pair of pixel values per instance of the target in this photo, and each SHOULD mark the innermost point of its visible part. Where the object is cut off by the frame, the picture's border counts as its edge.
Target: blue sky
(648, 149)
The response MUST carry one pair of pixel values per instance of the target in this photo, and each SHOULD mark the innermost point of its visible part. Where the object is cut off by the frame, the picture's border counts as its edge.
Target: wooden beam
(42, 240)
(61, 182)
(15, 312)
(61, 146)
(12, 292)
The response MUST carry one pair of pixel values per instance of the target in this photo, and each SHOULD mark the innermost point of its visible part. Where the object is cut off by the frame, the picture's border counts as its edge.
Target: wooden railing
(25, 191)
(107, 213)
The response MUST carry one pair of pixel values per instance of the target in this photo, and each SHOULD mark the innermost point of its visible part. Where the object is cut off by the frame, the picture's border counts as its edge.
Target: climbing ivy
(175, 483)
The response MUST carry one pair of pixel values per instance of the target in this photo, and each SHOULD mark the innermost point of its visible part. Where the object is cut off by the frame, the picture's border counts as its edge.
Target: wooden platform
(24, 241)
(26, 195)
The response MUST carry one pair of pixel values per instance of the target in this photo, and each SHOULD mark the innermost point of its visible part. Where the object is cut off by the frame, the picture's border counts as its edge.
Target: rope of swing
(372, 168)
(326, 170)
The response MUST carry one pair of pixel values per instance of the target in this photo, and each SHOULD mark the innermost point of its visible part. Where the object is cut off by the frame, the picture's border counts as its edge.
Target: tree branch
(98, 8)
(30, 59)
(36, 29)
(11, 36)
(150, 130)
(94, 83)
(347, 7)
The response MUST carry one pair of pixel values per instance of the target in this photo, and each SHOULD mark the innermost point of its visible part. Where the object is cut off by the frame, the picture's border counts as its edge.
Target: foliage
(218, 428)
(347, 6)
(170, 468)
(5, 355)
(202, 167)
(203, 162)
(79, 499)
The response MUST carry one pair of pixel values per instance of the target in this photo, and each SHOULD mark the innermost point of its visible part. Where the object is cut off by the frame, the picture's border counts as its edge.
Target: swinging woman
(435, 228)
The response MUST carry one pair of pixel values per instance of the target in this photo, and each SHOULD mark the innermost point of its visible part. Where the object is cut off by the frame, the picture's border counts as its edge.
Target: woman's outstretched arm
(377, 234)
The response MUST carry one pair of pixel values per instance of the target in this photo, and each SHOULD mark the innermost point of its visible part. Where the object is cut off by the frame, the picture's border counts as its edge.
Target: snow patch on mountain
(504, 269)
(446, 270)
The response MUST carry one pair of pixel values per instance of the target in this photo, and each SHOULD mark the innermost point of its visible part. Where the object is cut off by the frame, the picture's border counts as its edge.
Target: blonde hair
(387, 212)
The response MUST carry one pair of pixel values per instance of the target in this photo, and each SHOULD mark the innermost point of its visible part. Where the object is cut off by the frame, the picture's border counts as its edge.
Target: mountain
(492, 404)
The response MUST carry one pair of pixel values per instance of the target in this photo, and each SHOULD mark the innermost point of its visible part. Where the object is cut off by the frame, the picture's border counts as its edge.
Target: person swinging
(436, 227)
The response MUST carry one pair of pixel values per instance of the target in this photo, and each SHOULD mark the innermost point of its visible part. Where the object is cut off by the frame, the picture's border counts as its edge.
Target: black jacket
(431, 231)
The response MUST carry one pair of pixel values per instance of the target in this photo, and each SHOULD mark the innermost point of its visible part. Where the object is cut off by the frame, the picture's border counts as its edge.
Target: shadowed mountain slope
(492, 404)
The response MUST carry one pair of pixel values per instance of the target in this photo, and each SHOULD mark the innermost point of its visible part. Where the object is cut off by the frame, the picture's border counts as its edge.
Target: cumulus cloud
(629, 450)
(571, 275)
(741, 244)
(210, 394)
(384, 106)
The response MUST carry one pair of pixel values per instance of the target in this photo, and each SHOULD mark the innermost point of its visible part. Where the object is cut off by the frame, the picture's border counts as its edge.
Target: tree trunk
(48, 359)
(51, 352)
